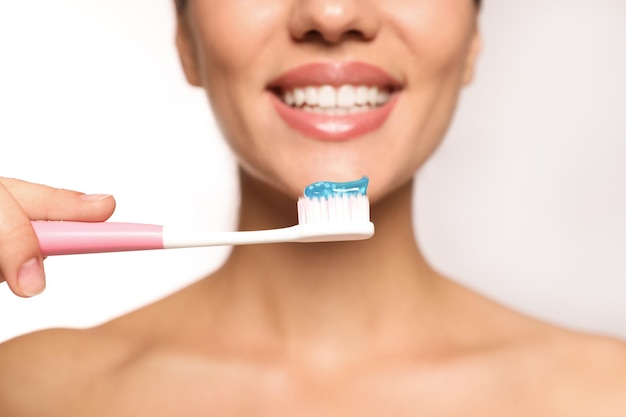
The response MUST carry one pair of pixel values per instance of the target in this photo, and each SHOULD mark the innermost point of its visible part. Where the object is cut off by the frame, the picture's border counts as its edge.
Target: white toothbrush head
(343, 208)
(332, 211)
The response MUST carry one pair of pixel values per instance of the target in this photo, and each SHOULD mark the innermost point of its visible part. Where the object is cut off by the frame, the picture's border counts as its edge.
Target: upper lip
(335, 74)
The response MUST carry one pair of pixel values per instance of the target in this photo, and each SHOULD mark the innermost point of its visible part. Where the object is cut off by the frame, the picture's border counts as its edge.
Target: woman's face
(309, 90)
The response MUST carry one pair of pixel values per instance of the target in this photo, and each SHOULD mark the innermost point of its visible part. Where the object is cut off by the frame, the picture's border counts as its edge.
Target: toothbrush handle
(66, 238)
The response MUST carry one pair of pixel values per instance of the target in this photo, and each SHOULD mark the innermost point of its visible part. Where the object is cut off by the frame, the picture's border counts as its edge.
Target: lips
(334, 101)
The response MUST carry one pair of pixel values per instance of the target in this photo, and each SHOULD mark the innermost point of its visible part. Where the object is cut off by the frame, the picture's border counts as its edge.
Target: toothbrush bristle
(340, 208)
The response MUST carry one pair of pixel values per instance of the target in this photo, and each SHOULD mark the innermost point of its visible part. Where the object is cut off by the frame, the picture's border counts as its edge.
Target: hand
(21, 264)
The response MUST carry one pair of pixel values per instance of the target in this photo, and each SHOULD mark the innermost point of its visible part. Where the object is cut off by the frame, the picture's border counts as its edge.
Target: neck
(309, 294)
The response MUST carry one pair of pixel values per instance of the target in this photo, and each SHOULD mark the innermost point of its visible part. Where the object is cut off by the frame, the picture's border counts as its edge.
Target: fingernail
(31, 278)
(95, 197)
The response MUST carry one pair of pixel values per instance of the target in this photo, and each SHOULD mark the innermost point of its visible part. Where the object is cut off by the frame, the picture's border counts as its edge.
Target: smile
(331, 101)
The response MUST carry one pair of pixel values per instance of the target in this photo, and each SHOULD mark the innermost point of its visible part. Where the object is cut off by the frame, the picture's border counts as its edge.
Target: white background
(524, 202)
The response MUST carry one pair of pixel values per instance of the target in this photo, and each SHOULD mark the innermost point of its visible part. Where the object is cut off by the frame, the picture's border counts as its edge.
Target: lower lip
(334, 128)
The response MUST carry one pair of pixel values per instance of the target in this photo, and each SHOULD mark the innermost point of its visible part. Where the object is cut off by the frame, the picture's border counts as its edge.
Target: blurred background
(525, 201)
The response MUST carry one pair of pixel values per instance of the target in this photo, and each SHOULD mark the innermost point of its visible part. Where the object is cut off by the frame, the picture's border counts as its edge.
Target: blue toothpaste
(327, 189)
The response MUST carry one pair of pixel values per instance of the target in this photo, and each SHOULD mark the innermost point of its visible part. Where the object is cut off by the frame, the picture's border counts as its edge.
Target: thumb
(20, 202)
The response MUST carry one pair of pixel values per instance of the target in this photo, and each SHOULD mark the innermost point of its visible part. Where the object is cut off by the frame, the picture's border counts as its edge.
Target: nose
(333, 21)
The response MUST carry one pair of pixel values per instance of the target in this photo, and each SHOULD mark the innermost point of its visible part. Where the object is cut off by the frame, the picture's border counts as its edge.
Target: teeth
(310, 94)
(383, 97)
(326, 97)
(346, 99)
(289, 98)
(372, 96)
(346, 96)
(336, 111)
(361, 95)
(299, 97)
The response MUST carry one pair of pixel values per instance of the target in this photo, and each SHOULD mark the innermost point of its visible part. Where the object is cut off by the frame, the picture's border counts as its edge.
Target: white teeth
(346, 99)
(336, 111)
(289, 98)
(299, 97)
(372, 96)
(383, 97)
(311, 96)
(361, 95)
(327, 97)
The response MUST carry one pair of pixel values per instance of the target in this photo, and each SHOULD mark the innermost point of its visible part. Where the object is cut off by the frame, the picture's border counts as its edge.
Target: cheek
(435, 40)
(230, 33)
(437, 35)
(231, 38)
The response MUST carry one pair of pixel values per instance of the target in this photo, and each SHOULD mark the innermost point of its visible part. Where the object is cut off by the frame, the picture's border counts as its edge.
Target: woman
(352, 328)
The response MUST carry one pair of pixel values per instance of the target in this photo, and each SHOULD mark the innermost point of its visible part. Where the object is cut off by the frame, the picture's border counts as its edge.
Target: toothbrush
(328, 211)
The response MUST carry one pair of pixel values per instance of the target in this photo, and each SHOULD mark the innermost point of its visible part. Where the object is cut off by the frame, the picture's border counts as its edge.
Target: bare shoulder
(569, 372)
(54, 367)
(63, 368)
(589, 374)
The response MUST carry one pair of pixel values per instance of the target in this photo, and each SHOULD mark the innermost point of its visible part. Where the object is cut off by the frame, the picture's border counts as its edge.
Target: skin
(373, 329)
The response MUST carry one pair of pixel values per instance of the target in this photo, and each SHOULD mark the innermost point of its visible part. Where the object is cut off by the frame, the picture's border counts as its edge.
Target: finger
(21, 201)
(41, 202)
(20, 261)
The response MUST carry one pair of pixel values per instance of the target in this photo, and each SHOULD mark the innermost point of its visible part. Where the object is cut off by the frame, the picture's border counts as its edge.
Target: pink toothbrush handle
(66, 238)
